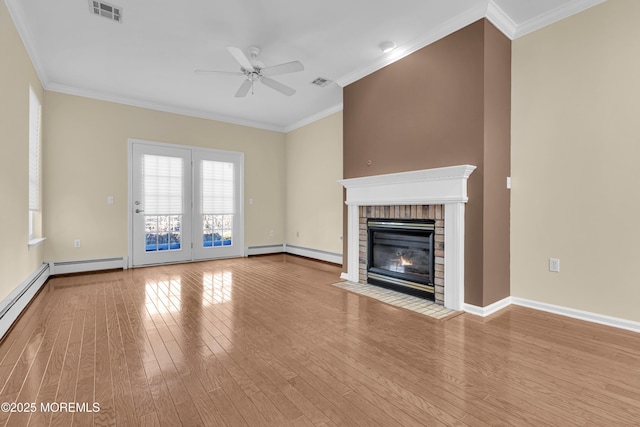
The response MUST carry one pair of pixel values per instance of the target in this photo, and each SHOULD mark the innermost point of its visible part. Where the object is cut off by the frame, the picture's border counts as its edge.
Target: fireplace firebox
(401, 256)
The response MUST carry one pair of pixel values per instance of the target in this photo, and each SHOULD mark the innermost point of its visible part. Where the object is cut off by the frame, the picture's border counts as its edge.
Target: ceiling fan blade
(224, 73)
(289, 67)
(244, 89)
(283, 89)
(242, 59)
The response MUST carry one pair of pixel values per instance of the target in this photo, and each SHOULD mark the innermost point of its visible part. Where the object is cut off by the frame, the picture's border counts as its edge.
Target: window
(35, 115)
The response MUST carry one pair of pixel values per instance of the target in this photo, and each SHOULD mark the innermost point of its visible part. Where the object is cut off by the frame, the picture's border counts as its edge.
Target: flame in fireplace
(405, 261)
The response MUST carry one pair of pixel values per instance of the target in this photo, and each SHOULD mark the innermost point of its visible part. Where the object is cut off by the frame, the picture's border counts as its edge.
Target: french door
(186, 204)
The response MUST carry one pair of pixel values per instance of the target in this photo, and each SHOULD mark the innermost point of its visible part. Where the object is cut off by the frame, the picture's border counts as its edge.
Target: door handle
(139, 210)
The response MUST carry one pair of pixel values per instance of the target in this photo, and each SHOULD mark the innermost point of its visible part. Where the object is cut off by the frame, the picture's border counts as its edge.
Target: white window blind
(35, 114)
(217, 187)
(162, 181)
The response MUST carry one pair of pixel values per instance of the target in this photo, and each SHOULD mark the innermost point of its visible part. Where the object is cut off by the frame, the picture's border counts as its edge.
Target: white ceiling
(149, 59)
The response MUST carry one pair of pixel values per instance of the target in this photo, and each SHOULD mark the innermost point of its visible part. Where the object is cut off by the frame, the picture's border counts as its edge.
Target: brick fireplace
(436, 194)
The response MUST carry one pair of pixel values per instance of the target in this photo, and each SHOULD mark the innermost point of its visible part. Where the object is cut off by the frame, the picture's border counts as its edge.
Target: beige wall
(17, 262)
(575, 152)
(85, 160)
(314, 197)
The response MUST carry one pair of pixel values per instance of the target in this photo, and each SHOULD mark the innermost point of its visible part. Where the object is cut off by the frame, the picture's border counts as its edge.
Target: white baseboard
(488, 310)
(65, 267)
(17, 300)
(314, 253)
(344, 276)
(602, 319)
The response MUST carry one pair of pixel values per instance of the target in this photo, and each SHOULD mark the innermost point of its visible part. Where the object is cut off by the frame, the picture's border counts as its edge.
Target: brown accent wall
(430, 110)
(497, 165)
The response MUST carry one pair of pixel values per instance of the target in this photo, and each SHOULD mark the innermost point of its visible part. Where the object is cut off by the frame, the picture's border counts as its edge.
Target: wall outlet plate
(554, 265)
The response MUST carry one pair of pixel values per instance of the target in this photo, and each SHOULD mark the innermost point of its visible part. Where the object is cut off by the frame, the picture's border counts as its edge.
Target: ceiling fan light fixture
(255, 71)
(387, 47)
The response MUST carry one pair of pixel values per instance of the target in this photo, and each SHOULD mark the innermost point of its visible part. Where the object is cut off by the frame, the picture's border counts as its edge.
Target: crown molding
(17, 15)
(56, 87)
(450, 26)
(492, 12)
(314, 118)
(501, 20)
(553, 16)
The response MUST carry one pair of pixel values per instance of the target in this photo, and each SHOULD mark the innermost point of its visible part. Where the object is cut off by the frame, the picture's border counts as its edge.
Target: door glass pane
(217, 230)
(163, 232)
(162, 186)
(217, 201)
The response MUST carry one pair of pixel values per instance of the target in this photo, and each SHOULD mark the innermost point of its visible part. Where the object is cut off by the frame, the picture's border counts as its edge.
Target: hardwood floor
(267, 341)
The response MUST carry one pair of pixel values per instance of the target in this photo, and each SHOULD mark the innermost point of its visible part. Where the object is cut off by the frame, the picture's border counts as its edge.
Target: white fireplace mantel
(446, 186)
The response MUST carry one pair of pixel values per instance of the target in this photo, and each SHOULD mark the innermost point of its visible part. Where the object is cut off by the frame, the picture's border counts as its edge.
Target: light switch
(109, 200)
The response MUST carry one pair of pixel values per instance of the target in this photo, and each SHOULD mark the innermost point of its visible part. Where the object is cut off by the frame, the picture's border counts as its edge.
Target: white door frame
(131, 207)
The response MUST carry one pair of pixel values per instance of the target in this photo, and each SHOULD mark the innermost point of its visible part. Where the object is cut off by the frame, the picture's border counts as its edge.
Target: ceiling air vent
(321, 82)
(107, 10)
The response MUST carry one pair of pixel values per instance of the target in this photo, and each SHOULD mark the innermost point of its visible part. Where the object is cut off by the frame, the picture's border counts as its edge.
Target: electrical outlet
(76, 243)
(271, 233)
(554, 265)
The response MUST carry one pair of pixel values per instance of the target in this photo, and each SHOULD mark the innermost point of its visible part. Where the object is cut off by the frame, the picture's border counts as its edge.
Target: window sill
(36, 241)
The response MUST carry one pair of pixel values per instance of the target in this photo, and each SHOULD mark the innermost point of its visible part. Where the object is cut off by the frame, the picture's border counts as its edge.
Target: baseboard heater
(314, 253)
(265, 250)
(17, 300)
(295, 250)
(66, 267)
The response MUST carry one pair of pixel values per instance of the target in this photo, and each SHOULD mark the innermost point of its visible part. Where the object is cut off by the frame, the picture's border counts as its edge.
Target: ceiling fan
(254, 71)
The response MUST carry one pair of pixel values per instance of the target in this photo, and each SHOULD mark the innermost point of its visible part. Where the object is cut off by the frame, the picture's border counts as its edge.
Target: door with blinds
(186, 204)
(217, 220)
(161, 220)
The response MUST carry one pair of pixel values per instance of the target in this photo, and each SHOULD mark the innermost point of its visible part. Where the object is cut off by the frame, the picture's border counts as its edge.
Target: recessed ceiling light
(387, 47)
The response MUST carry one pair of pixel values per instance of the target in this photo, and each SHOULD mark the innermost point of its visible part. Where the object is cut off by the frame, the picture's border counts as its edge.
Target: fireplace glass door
(400, 255)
